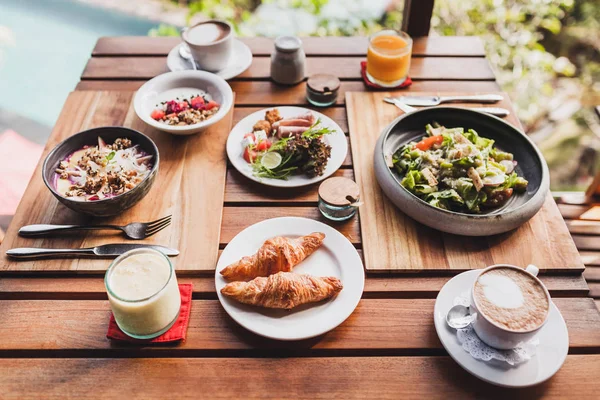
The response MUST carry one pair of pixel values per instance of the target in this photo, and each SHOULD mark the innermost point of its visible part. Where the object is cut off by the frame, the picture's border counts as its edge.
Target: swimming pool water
(53, 40)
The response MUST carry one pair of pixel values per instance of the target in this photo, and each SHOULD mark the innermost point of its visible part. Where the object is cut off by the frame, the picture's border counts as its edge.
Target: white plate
(336, 257)
(550, 354)
(241, 59)
(182, 84)
(337, 141)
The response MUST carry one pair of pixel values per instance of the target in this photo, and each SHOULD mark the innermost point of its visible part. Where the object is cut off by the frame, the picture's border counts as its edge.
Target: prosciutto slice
(287, 131)
(292, 122)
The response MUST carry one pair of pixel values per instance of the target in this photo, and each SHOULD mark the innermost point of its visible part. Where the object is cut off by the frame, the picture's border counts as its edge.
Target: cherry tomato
(249, 155)
(157, 114)
(263, 145)
(197, 102)
(212, 104)
(428, 142)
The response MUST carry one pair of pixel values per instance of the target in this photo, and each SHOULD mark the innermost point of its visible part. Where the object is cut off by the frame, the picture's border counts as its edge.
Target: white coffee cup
(210, 43)
(493, 334)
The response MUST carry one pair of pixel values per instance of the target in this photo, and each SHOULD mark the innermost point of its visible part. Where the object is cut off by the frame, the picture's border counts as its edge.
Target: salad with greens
(457, 170)
(280, 147)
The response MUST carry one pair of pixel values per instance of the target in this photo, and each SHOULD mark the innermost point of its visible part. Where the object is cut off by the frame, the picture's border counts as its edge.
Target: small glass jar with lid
(322, 90)
(288, 61)
(338, 198)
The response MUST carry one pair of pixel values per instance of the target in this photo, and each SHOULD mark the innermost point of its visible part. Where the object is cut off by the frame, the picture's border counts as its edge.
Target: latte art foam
(512, 299)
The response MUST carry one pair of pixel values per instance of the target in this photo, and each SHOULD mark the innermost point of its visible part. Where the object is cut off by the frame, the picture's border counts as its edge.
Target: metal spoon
(184, 52)
(459, 317)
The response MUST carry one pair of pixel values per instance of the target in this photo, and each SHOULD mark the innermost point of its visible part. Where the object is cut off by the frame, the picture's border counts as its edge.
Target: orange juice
(388, 57)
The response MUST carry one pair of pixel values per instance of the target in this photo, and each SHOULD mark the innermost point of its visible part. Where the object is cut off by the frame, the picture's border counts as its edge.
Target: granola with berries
(185, 112)
(99, 172)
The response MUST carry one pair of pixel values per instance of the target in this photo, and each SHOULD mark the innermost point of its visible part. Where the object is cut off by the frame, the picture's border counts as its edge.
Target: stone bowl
(113, 205)
(520, 207)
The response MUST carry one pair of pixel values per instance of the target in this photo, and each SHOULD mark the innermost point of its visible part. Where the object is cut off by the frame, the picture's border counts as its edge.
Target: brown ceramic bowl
(112, 205)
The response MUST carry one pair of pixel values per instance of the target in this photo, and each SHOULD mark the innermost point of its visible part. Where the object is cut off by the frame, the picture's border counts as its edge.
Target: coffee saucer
(240, 60)
(551, 351)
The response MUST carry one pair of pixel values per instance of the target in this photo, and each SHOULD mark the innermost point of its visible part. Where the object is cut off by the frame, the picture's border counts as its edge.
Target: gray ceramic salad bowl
(515, 212)
(112, 205)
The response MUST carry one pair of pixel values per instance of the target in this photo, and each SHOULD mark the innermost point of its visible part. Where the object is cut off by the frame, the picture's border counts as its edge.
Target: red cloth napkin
(363, 71)
(176, 333)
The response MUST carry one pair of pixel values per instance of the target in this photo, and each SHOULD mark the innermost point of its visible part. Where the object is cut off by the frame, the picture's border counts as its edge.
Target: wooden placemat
(393, 241)
(190, 186)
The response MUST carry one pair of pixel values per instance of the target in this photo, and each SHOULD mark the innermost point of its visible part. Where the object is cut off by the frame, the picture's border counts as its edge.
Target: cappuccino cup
(210, 43)
(509, 305)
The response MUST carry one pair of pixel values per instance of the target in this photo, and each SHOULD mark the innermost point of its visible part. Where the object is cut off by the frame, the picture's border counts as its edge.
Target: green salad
(457, 170)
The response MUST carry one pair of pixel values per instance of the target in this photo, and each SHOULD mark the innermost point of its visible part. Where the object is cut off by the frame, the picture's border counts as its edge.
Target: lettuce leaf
(411, 179)
(480, 142)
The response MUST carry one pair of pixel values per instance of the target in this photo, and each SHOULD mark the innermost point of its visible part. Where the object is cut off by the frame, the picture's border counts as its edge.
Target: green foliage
(164, 30)
(525, 40)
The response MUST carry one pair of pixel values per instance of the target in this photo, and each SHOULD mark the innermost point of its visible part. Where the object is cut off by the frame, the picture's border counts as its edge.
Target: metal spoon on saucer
(184, 52)
(459, 317)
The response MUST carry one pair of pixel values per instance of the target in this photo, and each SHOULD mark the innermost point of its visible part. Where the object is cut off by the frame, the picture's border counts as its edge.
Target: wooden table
(54, 325)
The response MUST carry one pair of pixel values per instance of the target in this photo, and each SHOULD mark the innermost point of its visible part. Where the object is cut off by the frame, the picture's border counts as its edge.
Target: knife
(426, 101)
(104, 251)
(497, 111)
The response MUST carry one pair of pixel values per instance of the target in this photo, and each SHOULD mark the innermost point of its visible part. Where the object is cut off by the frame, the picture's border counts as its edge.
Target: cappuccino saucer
(241, 59)
(551, 351)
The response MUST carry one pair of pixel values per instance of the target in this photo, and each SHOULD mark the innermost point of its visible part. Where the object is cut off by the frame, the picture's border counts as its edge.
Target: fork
(135, 230)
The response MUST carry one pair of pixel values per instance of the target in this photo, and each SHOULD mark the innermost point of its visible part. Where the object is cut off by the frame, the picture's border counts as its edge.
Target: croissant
(283, 290)
(276, 254)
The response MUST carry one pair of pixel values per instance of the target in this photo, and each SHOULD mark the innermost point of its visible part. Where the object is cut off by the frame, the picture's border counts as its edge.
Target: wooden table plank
(91, 287)
(389, 326)
(572, 211)
(590, 257)
(584, 227)
(459, 46)
(242, 190)
(236, 219)
(186, 196)
(417, 247)
(314, 378)
(592, 274)
(345, 68)
(587, 242)
(271, 94)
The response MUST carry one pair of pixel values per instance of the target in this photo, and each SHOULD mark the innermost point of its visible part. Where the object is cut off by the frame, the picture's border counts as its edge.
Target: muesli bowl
(114, 204)
(179, 86)
(515, 212)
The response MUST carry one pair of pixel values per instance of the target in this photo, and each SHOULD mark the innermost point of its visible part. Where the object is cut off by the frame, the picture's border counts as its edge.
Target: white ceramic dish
(336, 257)
(337, 141)
(182, 84)
(550, 354)
(240, 60)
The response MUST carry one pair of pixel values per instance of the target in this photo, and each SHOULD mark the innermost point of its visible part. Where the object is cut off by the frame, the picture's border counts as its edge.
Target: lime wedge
(271, 160)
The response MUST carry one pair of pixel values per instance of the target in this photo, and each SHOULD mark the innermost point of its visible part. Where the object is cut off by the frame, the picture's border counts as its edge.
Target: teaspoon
(459, 317)
(184, 52)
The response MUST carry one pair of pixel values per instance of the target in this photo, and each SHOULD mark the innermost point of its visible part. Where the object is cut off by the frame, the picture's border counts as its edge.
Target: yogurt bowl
(182, 84)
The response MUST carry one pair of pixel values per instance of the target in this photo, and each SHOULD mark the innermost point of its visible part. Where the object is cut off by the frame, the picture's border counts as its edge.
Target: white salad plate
(337, 141)
(182, 84)
(550, 353)
(336, 257)
(241, 59)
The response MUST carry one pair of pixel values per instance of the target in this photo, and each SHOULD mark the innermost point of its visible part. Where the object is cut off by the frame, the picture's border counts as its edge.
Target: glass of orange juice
(388, 57)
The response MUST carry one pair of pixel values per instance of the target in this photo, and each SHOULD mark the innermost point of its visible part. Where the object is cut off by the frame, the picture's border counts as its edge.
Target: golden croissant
(275, 255)
(283, 290)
